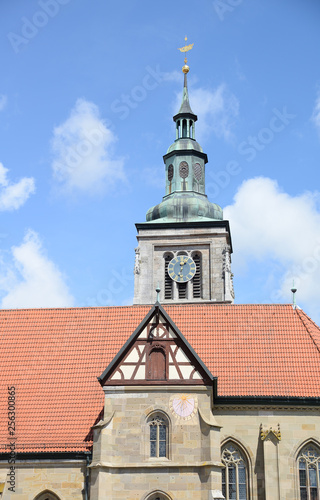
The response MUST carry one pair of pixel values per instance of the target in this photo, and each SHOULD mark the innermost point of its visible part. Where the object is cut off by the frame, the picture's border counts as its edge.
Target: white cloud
(172, 76)
(282, 233)
(32, 279)
(13, 196)
(83, 157)
(217, 111)
(316, 113)
(3, 101)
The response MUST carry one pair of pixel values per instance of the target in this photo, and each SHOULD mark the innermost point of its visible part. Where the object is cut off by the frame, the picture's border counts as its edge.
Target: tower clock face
(181, 268)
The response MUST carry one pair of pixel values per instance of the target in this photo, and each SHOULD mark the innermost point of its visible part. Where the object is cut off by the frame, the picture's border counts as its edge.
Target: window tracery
(158, 426)
(309, 473)
(235, 473)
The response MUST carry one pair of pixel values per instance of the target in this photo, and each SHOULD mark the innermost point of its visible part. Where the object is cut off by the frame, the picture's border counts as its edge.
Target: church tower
(184, 247)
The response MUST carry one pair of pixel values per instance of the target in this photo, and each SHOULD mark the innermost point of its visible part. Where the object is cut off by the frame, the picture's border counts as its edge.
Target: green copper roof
(184, 207)
(185, 143)
(185, 107)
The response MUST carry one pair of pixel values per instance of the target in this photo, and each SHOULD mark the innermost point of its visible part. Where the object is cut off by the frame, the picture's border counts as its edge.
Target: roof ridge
(76, 308)
(138, 306)
(300, 312)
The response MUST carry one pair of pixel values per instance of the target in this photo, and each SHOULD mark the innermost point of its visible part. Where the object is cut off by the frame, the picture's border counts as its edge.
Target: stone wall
(122, 467)
(271, 438)
(154, 243)
(64, 478)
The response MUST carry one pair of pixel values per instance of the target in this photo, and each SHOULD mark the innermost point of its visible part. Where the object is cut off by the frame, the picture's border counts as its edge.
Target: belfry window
(158, 425)
(309, 473)
(182, 290)
(168, 283)
(197, 279)
(234, 475)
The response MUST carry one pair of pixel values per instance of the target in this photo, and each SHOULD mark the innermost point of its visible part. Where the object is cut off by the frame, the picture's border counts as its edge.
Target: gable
(156, 353)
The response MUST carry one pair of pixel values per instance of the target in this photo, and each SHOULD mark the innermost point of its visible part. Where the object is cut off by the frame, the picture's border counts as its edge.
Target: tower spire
(185, 105)
(184, 245)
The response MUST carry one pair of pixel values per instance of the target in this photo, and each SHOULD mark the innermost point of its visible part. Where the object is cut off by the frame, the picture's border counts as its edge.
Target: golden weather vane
(186, 48)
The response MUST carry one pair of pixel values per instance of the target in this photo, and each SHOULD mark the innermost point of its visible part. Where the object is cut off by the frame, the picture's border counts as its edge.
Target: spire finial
(186, 48)
(293, 290)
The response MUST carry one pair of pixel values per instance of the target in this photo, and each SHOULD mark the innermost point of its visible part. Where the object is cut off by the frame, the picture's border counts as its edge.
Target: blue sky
(87, 94)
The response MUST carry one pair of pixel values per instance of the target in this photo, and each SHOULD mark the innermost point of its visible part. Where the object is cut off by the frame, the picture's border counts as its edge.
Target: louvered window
(168, 283)
(197, 279)
(182, 290)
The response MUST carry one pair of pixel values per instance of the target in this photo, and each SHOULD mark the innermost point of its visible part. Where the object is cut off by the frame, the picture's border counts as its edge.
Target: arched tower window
(178, 134)
(235, 473)
(168, 283)
(197, 279)
(191, 125)
(184, 128)
(309, 472)
(159, 430)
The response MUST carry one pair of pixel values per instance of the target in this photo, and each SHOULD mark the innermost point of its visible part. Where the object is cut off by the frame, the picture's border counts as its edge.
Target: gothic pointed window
(47, 495)
(309, 473)
(235, 473)
(158, 425)
(158, 496)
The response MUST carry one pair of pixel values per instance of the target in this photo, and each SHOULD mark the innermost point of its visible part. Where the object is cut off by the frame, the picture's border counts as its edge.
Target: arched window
(184, 128)
(158, 425)
(46, 495)
(156, 363)
(235, 473)
(309, 472)
(158, 495)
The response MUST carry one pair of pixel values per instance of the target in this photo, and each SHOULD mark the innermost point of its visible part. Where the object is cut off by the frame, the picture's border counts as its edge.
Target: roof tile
(53, 358)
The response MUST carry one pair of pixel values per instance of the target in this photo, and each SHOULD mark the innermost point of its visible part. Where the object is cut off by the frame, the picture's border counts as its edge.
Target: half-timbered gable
(156, 353)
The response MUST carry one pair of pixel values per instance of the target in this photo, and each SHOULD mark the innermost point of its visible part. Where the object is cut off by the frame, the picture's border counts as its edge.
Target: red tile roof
(53, 358)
